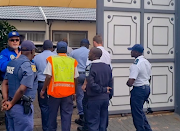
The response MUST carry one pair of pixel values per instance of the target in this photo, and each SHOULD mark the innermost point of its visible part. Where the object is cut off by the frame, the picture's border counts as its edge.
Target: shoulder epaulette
(88, 69)
(136, 61)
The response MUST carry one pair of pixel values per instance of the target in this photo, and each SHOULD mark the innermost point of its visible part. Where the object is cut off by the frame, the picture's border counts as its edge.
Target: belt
(140, 86)
(81, 72)
(18, 102)
(40, 81)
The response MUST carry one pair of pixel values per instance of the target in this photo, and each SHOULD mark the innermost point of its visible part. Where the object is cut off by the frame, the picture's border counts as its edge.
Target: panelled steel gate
(123, 23)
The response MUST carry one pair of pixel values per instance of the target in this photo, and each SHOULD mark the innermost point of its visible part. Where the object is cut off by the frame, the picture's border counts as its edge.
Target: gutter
(47, 24)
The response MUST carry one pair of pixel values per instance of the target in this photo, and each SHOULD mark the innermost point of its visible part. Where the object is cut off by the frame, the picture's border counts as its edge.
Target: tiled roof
(21, 12)
(55, 13)
(60, 13)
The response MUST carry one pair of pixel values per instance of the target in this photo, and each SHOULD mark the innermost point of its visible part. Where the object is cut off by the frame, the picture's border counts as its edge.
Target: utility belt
(25, 101)
(81, 72)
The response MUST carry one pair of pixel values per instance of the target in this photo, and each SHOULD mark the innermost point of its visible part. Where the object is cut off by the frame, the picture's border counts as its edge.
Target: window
(37, 37)
(74, 37)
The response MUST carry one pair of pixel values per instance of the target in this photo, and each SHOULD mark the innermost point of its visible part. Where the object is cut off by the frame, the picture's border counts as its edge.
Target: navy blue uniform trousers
(43, 104)
(84, 102)
(97, 115)
(138, 97)
(18, 121)
(66, 109)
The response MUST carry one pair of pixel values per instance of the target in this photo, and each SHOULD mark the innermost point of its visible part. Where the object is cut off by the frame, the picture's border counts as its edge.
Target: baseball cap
(12, 34)
(61, 45)
(137, 47)
(85, 41)
(47, 44)
(27, 46)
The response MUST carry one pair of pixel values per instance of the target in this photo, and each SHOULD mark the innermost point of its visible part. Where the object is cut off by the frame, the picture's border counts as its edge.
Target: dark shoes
(80, 121)
(81, 129)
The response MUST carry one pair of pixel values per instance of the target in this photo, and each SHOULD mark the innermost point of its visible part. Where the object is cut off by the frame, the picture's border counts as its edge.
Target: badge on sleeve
(88, 70)
(33, 68)
(136, 61)
(12, 57)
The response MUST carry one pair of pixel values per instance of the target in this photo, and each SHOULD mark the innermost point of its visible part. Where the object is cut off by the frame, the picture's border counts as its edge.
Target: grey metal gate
(123, 23)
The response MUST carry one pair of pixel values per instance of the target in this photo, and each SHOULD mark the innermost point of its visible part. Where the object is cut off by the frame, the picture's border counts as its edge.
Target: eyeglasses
(12, 40)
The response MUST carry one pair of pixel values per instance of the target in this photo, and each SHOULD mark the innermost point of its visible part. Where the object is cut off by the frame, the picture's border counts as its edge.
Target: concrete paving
(161, 121)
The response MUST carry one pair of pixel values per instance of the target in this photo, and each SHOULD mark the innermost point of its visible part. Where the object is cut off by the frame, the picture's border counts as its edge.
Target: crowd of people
(61, 75)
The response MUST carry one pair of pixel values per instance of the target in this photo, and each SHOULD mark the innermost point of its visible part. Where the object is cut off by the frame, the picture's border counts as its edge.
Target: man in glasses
(8, 54)
(11, 52)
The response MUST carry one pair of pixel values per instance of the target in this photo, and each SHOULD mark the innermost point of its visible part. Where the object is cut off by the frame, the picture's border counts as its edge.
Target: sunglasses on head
(12, 40)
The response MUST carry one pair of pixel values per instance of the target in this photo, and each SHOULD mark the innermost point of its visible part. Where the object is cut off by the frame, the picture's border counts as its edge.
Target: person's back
(41, 62)
(106, 58)
(61, 73)
(100, 77)
(81, 56)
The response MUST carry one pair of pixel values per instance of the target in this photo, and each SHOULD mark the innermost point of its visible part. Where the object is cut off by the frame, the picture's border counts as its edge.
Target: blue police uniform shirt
(26, 75)
(40, 61)
(81, 56)
(140, 70)
(6, 55)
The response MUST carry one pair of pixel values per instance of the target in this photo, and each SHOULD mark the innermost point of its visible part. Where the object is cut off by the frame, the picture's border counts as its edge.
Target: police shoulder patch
(136, 61)
(33, 68)
(88, 70)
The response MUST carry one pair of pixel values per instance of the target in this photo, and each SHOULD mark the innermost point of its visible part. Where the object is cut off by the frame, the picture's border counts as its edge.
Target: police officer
(99, 91)
(40, 61)
(139, 78)
(81, 56)
(11, 52)
(8, 54)
(61, 73)
(105, 58)
(19, 90)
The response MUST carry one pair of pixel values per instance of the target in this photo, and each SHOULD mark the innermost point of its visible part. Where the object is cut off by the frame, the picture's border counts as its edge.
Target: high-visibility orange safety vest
(62, 81)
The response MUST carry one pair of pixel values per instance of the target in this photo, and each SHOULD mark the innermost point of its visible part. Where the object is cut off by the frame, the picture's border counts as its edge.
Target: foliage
(5, 28)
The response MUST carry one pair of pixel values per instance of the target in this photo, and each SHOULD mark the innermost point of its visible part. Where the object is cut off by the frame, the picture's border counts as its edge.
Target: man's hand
(108, 89)
(84, 87)
(18, 55)
(41, 94)
(3, 101)
(7, 105)
(3, 105)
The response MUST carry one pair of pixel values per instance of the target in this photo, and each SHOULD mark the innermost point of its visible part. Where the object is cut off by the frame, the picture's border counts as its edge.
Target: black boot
(81, 129)
(80, 121)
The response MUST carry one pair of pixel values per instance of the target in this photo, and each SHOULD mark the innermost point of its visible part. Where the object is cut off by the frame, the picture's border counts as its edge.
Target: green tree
(5, 28)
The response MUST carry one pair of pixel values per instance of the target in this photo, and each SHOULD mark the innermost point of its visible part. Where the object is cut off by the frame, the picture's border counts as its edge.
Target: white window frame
(68, 36)
(25, 33)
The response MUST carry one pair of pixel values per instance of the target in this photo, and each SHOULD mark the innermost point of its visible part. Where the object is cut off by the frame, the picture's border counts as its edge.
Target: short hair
(98, 39)
(97, 52)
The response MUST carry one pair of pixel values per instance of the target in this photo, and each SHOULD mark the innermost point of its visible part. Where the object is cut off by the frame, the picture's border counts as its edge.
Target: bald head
(95, 53)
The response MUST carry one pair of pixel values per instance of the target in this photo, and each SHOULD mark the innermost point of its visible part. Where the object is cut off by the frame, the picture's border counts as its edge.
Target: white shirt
(140, 70)
(105, 58)
(48, 71)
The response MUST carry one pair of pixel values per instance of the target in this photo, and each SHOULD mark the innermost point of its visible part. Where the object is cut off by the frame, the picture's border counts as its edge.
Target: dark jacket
(99, 77)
